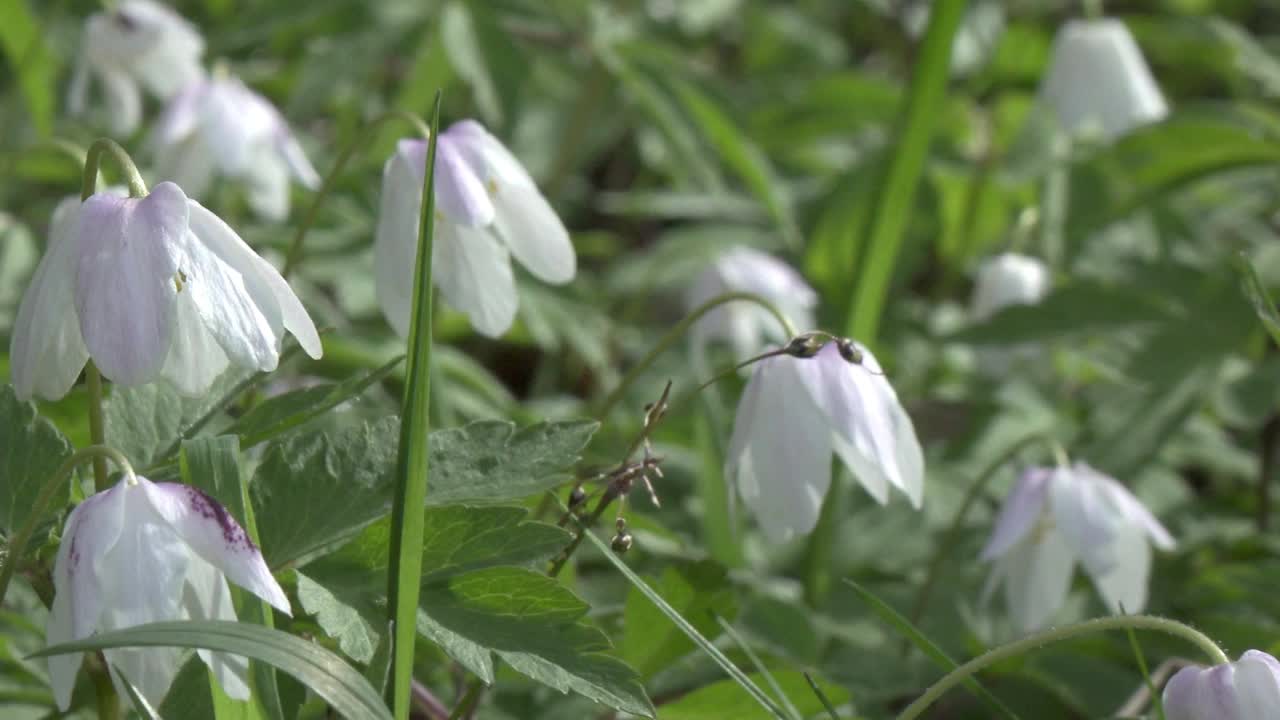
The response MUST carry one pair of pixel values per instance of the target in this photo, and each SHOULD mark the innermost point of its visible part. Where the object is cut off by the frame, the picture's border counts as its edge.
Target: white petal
(78, 91)
(474, 274)
(236, 122)
(195, 360)
(1130, 507)
(783, 468)
(62, 668)
(125, 280)
(216, 537)
(1124, 586)
(124, 101)
(1037, 577)
(181, 116)
(296, 160)
(267, 178)
(1196, 693)
(487, 154)
(1021, 511)
(207, 597)
(744, 421)
(1008, 279)
(534, 233)
(395, 246)
(460, 193)
(189, 164)
(1258, 684)
(46, 352)
(1087, 519)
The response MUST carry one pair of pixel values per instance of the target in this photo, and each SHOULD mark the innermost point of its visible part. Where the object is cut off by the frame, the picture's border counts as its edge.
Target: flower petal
(46, 351)
(1257, 684)
(1088, 521)
(1021, 511)
(216, 537)
(125, 280)
(195, 360)
(1197, 693)
(1123, 586)
(207, 597)
(473, 272)
(296, 159)
(124, 101)
(534, 233)
(267, 178)
(1131, 507)
(1037, 579)
(461, 195)
(395, 245)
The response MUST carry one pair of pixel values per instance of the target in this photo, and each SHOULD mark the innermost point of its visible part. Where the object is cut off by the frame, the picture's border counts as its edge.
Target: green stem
(675, 333)
(951, 538)
(93, 158)
(294, 256)
(97, 430)
(468, 701)
(1053, 635)
(103, 689)
(18, 542)
(1093, 9)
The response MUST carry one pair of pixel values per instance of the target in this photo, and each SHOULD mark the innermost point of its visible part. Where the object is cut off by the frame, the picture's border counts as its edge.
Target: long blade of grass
(888, 221)
(760, 667)
(822, 697)
(904, 627)
(405, 568)
(719, 657)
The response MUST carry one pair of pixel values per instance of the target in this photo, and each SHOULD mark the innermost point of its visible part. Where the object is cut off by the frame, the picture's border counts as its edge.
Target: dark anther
(805, 345)
(849, 351)
(621, 543)
(576, 497)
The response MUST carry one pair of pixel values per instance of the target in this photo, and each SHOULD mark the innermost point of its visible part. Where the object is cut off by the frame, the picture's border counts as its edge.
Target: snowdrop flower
(1008, 279)
(747, 327)
(487, 209)
(1248, 689)
(1055, 517)
(219, 126)
(145, 552)
(1098, 80)
(149, 287)
(138, 42)
(795, 412)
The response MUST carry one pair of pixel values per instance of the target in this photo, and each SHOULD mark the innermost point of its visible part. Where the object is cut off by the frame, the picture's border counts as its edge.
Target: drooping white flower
(794, 413)
(138, 42)
(150, 287)
(1097, 80)
(1247, 689)
(746, 326)
(487, 208)
(144, 552)
(1055, 517)
(1008, 279)
(219, 126)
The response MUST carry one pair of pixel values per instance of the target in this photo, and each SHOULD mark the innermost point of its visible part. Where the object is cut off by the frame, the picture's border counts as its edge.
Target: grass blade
(719, 657)
(822, 697)
(893, 207)
(328, 675)
(405, 567)
(1259, 297)
(904, 627)
(760, 668)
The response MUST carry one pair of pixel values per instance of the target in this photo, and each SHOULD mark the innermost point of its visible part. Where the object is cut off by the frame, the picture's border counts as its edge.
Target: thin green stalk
(949, 539)
(18, 542)
(405, 569)
(294, 255)
(893, 207)
(97, 429)
(468, 701)
(822, 541)
(822, 697)
(93, 159)
(1053, 635)
(678, 331)
(741, 642)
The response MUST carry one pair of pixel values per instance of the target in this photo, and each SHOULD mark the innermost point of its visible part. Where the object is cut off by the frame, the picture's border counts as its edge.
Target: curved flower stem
(97, 429)
(294, 255)
(18, 543)
(1053, 635)
(93, 158)
(957, 521)
(679, 330)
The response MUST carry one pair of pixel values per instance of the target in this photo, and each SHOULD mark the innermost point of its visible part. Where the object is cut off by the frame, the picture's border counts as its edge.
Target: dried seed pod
(621, 543)
(849, 351)
(621, 525)
(576, 497)
(805, 345)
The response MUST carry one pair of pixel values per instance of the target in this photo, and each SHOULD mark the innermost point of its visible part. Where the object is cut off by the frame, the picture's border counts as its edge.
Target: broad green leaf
(726, 699)
(650, 643)
(31, 450)
(484, 57)
(213, 465)
(491, 461)
(532, 623)
(29, 61)
(147, 422)
(279, 414)
(313, 492)
(1259, 297)
(323, 672)
(1081, 307)
(344, 590)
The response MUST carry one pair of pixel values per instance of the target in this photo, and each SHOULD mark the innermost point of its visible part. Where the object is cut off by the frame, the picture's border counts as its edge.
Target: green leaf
(904, 627)
(532, 623)
(320, 670)
(650, 643)
(1082, 307)
(343, 589)
(29, 60)
(1259, 297)
(316, 491)
(484, 57)
(146, 422)
(489, 461)
(33, 449)
(213, 465)
(279, 414)
(726, 699)
(688, 629)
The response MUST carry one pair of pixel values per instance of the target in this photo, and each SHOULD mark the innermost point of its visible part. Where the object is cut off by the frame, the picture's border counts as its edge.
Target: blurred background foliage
(664, 132)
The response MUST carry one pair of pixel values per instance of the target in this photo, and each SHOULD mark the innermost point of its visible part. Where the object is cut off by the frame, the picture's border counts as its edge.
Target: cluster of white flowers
(159, 288)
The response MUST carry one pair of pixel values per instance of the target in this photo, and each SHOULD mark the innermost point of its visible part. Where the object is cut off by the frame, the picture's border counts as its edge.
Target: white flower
(1008, 279)
(219, 126)
(1056, 516)
(746, 326)
(1098, 80)
(150, 287)
(149, 552)
(139, 41)
(487, 209)
(1248, 689)
(794, 413)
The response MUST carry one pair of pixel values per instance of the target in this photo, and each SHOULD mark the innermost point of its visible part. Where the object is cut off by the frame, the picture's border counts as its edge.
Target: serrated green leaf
(490, 461)
(649, 642)
(340, 620)
(145, 422)
(726, 699)
(320, 670)
(31, 450)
